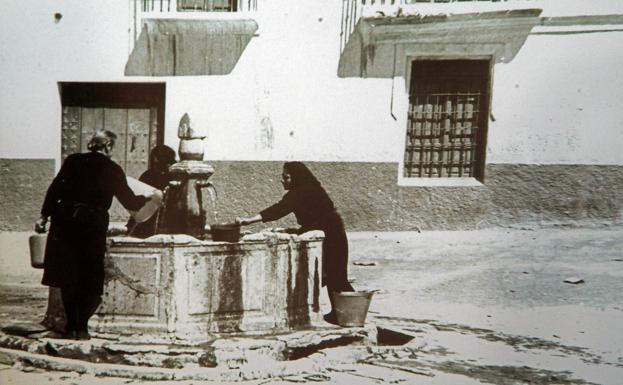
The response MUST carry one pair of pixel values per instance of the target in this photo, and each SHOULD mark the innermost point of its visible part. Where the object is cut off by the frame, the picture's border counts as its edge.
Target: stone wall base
(369, 198)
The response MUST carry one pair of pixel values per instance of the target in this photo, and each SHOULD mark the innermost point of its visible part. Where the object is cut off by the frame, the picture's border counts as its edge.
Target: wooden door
(136, 130)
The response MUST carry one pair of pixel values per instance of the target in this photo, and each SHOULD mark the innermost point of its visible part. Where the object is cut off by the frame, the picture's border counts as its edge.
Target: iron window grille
(447, 118)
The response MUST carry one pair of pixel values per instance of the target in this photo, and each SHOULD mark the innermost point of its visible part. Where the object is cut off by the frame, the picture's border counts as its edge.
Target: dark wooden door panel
(91, 119)
(136, 132)
(137, 143)
(116, 120)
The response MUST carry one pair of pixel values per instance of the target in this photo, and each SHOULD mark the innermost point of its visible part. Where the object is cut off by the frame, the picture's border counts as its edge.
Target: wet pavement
(451, 307)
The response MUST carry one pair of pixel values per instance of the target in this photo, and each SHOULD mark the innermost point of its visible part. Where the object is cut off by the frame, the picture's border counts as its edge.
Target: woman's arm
(53, 195)
(54, 191)
(248, 220)
(279, 210)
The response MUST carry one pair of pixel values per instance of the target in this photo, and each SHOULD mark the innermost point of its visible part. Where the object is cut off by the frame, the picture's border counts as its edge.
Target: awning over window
(168, 47)
(380, 46)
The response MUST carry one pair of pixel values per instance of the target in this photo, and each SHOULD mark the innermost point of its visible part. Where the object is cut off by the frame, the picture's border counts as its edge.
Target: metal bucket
(37, 249)
(351, 307)
(225, 232)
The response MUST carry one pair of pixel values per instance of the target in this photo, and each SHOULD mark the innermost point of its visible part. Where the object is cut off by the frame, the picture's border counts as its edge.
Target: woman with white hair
(77, 202)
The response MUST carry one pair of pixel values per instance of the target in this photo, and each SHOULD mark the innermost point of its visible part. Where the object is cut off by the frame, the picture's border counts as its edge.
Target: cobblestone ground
(488, 306)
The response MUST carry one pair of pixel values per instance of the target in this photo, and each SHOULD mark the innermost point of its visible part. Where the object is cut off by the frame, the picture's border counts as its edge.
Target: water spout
(212, 197)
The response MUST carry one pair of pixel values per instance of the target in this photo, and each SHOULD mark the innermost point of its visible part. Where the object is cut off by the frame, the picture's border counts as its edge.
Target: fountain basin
(175, 287)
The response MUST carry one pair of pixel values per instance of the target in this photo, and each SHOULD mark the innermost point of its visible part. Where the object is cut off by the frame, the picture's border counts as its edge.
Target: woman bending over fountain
(78, 201)
(314, 210)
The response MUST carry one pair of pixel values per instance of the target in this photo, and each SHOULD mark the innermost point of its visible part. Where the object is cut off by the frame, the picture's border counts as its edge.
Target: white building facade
(413, 114)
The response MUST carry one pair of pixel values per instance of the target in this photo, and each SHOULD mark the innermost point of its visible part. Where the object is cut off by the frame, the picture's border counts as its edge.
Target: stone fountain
(183, 211)
(179, 286)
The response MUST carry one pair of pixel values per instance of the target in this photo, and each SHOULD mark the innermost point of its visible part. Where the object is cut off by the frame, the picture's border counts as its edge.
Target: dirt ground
(487, 306)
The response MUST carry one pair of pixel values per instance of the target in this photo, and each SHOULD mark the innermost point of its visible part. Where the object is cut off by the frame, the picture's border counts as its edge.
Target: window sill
(439, 182)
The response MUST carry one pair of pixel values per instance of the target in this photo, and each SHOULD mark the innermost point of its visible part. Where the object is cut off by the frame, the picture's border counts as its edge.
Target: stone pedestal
(175, 287)
(183, 211)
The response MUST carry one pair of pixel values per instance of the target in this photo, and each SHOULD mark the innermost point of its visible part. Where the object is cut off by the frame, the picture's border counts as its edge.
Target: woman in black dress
(314, 210)
(77, 201)
(157, 175)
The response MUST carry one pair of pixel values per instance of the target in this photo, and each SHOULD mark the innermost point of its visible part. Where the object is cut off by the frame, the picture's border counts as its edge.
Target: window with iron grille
(447, 119)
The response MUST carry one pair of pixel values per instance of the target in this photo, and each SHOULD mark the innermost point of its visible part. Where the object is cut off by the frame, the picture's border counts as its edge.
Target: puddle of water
(485, 353)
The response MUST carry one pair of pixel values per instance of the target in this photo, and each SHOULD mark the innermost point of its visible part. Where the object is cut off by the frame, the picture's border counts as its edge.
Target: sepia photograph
(274, 192)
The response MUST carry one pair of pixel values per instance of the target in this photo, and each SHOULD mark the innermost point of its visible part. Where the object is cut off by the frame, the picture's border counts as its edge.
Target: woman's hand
(41, 225)
(242, 221)
(150, 194)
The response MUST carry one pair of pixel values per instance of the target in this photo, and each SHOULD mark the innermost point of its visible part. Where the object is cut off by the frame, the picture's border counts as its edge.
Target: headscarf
(307, 188)
(161, 157)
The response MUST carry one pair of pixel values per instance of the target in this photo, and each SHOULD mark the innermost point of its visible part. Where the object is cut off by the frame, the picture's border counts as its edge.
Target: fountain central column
(184, 212)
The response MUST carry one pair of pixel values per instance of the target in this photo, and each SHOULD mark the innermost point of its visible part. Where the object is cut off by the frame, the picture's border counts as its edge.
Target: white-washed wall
(559, 101)
(90, 43)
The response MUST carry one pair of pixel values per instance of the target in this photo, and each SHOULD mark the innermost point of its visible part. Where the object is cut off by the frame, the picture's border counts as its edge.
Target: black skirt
(75, 250)
(334, 253)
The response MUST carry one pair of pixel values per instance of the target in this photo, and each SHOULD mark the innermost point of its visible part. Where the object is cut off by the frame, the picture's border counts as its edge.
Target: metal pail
(351, 307)
(37, 249)
(225, 232)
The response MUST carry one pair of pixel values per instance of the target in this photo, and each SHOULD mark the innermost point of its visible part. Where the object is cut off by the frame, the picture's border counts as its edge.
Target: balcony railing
(185, 9)
(168, 6)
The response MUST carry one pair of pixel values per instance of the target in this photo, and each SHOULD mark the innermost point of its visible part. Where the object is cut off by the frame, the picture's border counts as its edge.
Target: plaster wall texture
(559, 101)
(368, 197)
(23, 184)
